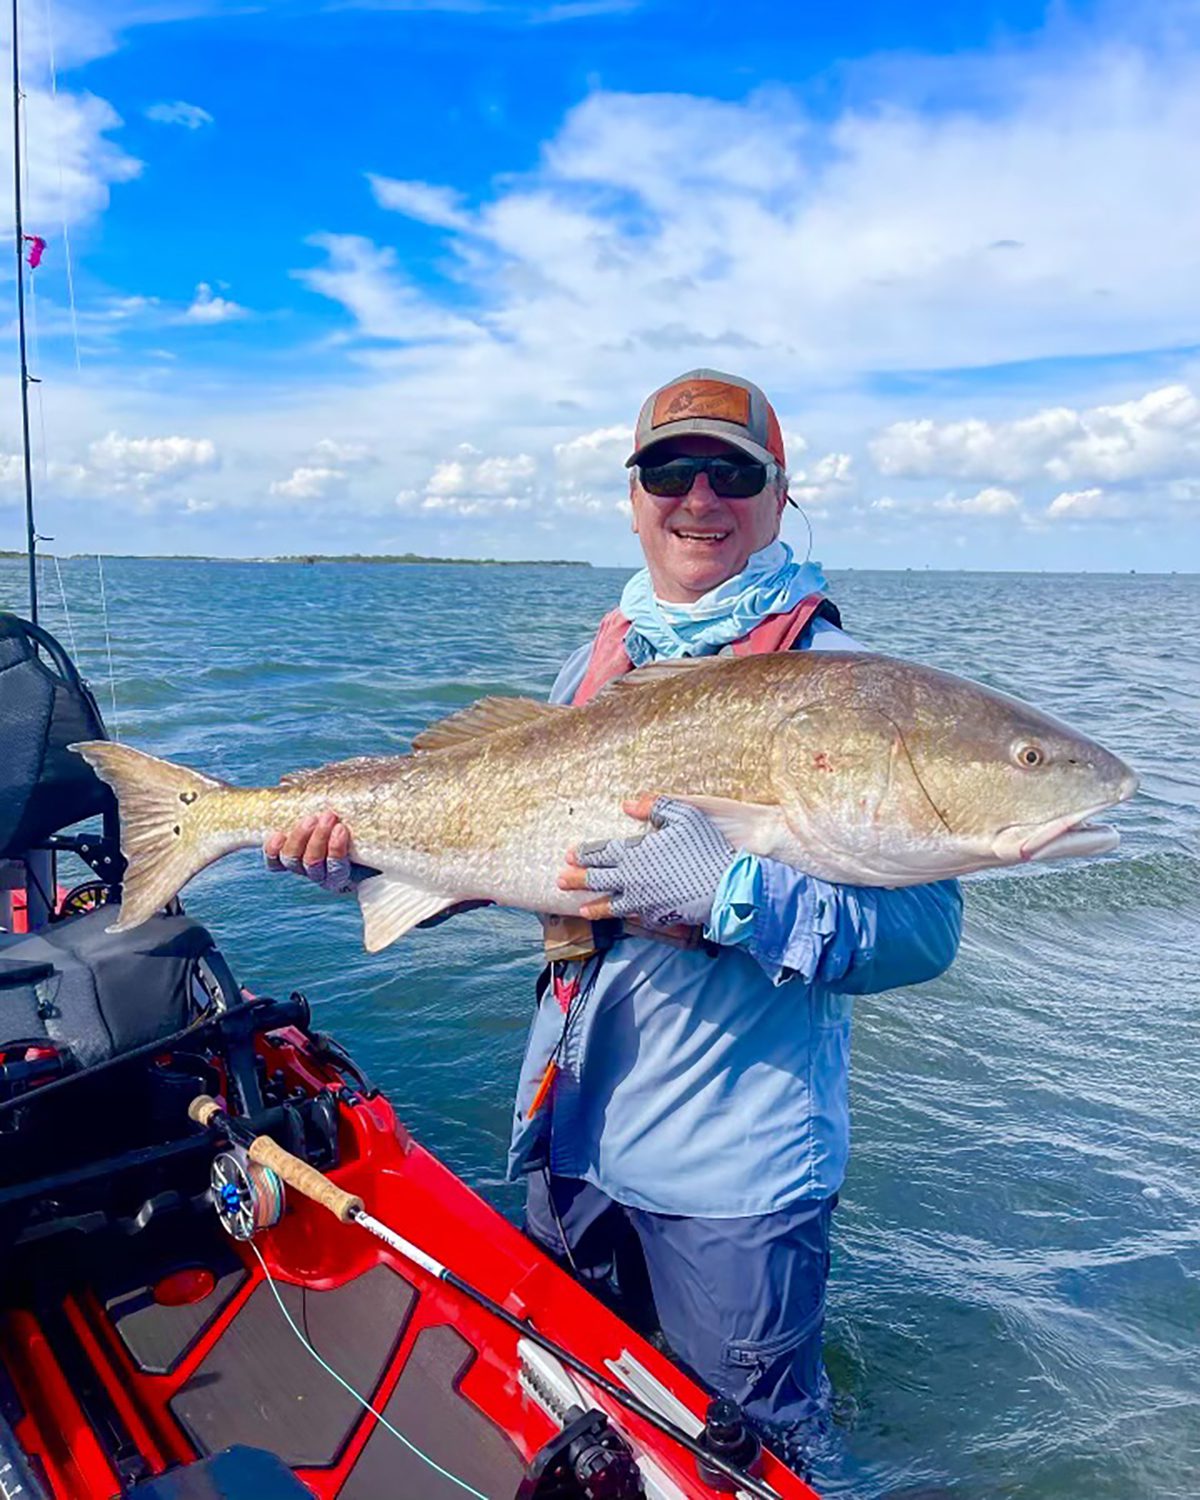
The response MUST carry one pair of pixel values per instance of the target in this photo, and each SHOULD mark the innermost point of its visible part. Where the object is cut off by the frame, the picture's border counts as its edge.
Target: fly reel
(248, 1197)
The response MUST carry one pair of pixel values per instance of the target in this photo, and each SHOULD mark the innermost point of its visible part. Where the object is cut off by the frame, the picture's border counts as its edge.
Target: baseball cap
(709, 401)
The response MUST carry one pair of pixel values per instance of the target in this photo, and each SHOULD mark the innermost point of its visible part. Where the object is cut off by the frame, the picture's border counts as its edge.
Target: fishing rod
(249, 1198)
(30, 533)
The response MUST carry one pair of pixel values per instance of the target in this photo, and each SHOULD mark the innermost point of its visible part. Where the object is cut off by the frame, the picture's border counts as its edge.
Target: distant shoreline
(307, 559)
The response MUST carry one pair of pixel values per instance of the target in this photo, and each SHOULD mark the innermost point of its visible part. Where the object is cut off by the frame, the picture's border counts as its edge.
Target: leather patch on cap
(701, 398)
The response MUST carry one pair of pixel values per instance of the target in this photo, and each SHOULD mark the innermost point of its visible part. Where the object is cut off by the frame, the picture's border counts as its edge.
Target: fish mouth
(1069, 837)
(1071, 841)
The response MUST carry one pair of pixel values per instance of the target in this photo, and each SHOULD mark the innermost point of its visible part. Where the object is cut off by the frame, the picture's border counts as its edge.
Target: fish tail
(168, 833)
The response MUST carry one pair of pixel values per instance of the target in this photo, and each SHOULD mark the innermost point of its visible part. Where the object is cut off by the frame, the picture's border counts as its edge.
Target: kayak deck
(175, 1349)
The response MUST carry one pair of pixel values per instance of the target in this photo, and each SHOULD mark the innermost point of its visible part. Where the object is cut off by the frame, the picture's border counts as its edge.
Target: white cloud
(804, 250)
(72, 165)
(141, 465)
(988, 502)
(589, 470)
(659, 224)
(475, 484)
(1152, 436)
(364, 278)
(440, 206)
(1088, 505)
(190, 116)
(342, 454)
(208, 307)
(829, 481)
(1040, 215)
(309, 483)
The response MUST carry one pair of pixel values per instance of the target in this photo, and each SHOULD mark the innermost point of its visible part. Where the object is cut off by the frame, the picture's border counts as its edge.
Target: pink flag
(36, 246)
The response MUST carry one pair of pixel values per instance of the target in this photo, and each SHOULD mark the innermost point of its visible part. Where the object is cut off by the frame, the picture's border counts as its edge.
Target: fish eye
(1029, 756)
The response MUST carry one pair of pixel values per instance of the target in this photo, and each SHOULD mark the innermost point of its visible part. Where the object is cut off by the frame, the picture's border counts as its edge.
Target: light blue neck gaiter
(771, 583)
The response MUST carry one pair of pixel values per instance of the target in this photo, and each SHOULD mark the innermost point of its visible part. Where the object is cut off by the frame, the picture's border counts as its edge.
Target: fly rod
(30, 533)
(348, 1208)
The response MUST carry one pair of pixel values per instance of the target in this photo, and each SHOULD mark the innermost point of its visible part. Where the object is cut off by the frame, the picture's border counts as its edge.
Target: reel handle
(296, 1173)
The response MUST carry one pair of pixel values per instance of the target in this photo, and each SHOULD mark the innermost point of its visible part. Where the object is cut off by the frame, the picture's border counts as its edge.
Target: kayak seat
(97, 994)
(45, 706)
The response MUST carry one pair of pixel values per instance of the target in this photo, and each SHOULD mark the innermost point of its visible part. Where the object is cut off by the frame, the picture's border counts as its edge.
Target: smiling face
(696, 542)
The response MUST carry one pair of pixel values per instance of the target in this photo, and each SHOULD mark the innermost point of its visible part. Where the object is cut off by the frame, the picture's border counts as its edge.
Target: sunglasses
(731, 479)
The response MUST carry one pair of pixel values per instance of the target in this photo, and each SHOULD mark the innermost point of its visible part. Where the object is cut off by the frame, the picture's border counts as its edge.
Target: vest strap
(609, 657)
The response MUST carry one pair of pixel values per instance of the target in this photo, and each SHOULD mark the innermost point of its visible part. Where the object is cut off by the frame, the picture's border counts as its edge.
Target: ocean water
(1015, 1300)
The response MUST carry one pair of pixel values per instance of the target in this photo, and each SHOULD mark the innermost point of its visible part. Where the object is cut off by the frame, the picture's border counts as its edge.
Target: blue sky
(396, 277)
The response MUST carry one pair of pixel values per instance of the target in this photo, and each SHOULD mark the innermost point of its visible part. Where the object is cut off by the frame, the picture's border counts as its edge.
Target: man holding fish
(799, 808)
(692, 1123)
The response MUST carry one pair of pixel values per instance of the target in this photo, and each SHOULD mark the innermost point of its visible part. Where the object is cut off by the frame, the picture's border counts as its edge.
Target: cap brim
(709, 427)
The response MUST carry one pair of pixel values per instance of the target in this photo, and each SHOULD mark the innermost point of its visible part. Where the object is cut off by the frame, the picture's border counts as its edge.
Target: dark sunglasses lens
(669, 480)
(736, 481)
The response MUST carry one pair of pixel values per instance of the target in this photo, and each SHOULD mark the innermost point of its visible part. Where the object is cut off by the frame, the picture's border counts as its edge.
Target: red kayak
(228, 1269)
(132, 1360)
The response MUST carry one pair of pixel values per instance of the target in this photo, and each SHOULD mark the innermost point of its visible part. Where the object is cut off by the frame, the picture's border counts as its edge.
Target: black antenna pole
(30, 533)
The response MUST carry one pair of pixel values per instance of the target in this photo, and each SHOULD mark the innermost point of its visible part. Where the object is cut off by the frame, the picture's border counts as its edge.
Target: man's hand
(317, 847)
(665, 878)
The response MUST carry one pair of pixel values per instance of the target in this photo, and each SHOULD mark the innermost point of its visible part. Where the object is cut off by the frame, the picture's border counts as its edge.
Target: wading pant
(741, 1302)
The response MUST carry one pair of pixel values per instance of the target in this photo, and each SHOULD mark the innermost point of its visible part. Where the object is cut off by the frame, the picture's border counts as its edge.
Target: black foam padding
(258, 1386)
(158, 1337)
(109, 991)
(427, 1408)
(236, 1474)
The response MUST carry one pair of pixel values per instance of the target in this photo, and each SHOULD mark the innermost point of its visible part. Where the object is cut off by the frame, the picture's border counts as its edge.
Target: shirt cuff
(735, 904)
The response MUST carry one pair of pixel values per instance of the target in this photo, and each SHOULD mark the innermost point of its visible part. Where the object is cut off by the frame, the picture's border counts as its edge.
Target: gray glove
(338, 876)
(665, 878)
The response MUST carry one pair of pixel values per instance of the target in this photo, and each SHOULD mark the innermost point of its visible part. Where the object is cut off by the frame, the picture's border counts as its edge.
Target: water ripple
(1016, 1293)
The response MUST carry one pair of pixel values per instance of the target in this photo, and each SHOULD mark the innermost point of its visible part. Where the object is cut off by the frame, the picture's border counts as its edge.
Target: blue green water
(1015, 1307)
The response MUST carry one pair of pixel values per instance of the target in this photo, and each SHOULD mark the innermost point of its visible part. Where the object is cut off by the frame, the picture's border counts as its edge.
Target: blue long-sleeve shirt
(718, 1085)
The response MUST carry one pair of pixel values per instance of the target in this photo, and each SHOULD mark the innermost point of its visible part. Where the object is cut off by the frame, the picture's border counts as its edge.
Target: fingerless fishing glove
(334, 875)
(665, 878)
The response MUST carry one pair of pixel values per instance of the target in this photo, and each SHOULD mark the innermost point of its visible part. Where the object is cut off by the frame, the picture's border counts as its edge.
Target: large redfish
(851, 766)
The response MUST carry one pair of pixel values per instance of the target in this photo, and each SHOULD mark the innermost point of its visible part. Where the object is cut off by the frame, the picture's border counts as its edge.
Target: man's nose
(701, 496)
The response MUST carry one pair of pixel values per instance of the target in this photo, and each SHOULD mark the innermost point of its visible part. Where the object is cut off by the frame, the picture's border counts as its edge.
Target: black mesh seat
(97, 994)
(44, 707)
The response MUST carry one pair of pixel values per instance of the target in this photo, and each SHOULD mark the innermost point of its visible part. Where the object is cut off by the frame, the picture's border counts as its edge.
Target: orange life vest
(610, 659)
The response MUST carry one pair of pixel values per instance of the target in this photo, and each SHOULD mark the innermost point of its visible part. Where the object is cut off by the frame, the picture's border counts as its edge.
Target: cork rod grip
(202, 1109)
(305, 1179)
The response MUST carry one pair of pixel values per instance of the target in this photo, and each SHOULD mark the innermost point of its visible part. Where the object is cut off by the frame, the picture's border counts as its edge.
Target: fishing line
(362, 1400)
(35, 340)
(35, 381)
(31, 283)
(62, 191)
(112, 680)
(348, 1208)
(63, 592)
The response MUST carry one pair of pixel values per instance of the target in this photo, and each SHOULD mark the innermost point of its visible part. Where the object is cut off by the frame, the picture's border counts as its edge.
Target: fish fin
(484, 717)
(162, 839)
(391, 906)
(757, 827)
